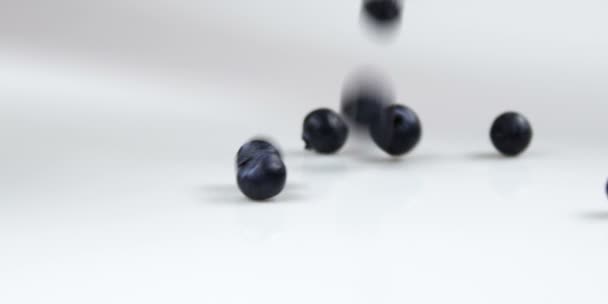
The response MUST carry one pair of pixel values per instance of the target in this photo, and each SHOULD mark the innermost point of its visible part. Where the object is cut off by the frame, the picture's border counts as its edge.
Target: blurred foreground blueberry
(324, 131)
(396, 130)
(511, 133)
(261, 173)
(364, 97)
(254, 148)
(382, 12)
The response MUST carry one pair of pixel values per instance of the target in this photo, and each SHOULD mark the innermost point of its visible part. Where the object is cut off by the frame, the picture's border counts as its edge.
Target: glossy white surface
(116, 163)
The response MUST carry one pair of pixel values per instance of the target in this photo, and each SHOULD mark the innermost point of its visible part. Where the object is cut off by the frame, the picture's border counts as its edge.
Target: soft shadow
(230, 194)
(598, 215)
(219, 188)
(287, 197)
(222, 194)
(299, 153)
(382, 160)
(317, 162)
(377, 159)
(497, 156)
(303, 153)
(490, 156)
(323, 167)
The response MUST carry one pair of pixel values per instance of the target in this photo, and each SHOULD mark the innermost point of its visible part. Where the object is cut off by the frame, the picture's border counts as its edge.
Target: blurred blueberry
(365, 94)
(254, 148)
(383, 12)
(324, 131)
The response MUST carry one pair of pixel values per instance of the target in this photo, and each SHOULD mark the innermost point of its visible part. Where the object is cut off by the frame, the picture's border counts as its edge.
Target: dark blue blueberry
(397, 130)
(324, 131)
(261, 173)
(254, 148)
(383, 12)
(511, 133)
(361, 105)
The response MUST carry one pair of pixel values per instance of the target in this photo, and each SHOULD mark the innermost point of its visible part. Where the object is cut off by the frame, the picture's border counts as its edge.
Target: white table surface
(117, 180)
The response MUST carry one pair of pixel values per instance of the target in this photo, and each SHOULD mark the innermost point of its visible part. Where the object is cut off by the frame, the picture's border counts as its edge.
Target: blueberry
(361, 105)
(396, 130)
(254, 148)
(511, 133)
(324, 131)
(383, 12)
(261, 173)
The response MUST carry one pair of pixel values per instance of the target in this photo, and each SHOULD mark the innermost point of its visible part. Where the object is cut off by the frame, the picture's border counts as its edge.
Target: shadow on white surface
(303, 154)
(222, 193)
(595, 215)
(324, 167)
(299, 153)
(487, 155)
(406, 160)
(353, 158)
(313, 162)
(496, 156)
(230, 194)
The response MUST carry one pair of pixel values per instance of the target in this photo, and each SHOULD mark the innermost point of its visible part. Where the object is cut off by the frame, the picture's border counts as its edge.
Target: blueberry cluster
(395, 128)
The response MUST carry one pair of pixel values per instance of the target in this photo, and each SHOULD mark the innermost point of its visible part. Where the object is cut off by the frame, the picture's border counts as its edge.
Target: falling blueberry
(396, 130)
(324, 131)
(383, 12)
(261, 173)
(511, 133)
(362, 103)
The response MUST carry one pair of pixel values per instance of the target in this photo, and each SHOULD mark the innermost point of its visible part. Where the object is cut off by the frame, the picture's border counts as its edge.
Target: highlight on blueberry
(254, 148)
(261, 173)
(364, 96)
(324, 131)
(397, 130)
(511, 133)
(383, 12)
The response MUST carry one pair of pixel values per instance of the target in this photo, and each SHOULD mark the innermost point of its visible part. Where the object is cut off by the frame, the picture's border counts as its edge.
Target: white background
(119, 122)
